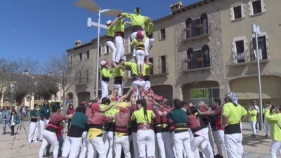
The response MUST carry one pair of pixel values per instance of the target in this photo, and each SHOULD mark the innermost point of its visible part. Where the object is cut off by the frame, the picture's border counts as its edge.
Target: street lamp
(93, 7)
(12, 89)
(258, 54)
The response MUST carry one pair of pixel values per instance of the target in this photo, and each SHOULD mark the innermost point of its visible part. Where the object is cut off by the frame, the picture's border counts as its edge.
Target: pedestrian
(70, 111)
(44, 118)
(145, 134)
(232, 114)
(275, 133)
(252, 115)
(74, 136)
(14, 120)
(266, 123)
(33, 126)
(122, 119)
(50, 134)
(5, 118)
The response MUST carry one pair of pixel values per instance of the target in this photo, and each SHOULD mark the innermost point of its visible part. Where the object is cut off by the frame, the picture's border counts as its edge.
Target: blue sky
(40, 29)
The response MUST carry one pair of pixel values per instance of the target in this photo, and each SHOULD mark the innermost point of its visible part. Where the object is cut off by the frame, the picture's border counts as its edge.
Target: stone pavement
(254, 147)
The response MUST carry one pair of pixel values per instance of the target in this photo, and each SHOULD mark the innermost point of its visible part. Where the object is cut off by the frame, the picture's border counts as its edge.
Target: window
(37, 97)
(237, 12)
(162, 34)
(151, 61)
(204, 24)
(107, 49)
(87, 76)
(70, 60)
(257, 7)
(80, 56)
(100, 50)
(163, 64)
(80, 78)
(240, 51)
(262, 46)
(196, 27)
(198, 58)
(188, 24)
(206, 56)
(88, 54)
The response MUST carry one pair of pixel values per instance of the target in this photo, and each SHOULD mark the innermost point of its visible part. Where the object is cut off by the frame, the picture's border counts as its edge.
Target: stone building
(202, 51)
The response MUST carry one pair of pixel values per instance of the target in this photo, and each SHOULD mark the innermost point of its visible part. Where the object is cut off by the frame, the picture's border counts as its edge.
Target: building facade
(201, 52)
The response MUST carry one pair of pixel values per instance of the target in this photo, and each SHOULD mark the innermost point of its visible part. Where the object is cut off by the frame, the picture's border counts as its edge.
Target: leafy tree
(46, 86)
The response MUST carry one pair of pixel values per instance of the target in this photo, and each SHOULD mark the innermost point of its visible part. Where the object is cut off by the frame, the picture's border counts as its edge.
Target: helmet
(108, 22)
(104, 62)
(140, 34)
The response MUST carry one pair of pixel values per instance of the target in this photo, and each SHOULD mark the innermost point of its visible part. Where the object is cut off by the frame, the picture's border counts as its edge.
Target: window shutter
(159, 35)
(166, 35)
(159, 64)
(167, 64)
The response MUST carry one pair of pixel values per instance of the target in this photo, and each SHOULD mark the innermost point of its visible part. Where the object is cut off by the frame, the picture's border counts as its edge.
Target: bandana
(232, 97)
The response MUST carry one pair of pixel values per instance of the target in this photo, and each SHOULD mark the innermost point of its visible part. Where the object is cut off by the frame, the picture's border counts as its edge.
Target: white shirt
(257, 108)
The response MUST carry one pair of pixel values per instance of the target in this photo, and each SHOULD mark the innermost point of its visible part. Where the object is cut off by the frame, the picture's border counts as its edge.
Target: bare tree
(66, 72)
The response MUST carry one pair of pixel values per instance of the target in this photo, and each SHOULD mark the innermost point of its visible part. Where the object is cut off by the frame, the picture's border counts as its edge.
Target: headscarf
(232, 97)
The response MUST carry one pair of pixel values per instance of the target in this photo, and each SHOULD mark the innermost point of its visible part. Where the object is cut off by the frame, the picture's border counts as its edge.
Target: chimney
(78, 43)
(176, 7)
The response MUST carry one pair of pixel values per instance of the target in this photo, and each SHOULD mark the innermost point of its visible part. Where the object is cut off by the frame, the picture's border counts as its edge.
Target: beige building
(201, 52)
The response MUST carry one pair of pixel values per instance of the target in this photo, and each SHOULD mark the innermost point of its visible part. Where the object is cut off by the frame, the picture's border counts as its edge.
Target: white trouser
(206, 135)
(112, 47)
(49, 137)
(83, 150)
(135, 144)
(172, 142)
(33, 131)
(122, 143)
(43, 124)
(138, 84)
(253, 127)
(274, 148)
(91, 151)
(104, 89)
(146, 140)
(164, 144)
(200, 142)
(108, 138)
(267, 128)
(119, 43)
(140, 55)
(233, 145)
(99, 146)
(219, 140)
(147, 46)
(182, 143)
(196, 152)
(147, 85)
(73, 145)
(211, 137)
(119, 87)
(133, 36)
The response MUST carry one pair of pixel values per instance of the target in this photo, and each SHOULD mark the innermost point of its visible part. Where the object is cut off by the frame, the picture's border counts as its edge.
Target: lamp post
(25, 72)
(256, 31)
(93, 7)
(12, 89)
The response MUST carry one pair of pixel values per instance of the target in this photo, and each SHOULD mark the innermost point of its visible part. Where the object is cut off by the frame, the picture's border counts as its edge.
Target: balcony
(239, 59)
(196, 34)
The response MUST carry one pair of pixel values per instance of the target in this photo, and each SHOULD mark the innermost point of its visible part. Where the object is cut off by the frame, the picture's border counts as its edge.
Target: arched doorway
(201, 91)
(83, 96)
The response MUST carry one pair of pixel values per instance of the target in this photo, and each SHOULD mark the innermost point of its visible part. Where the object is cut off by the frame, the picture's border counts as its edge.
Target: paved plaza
(254, 147)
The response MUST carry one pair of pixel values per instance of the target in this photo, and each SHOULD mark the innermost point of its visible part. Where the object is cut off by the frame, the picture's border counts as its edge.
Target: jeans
(61, 140)
(5, 122)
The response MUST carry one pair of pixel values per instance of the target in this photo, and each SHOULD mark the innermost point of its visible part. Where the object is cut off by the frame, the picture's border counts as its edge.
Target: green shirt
(178, 116)
(137, 43)
(136, 19)
(110, 31)
(140, 118)
(133, 66)
(111, 112)
(118, 72)
(234, 113)
(33, 113)
(119, 25)
(275, 125)
(147, 69)
(252, 114)
(148, 27)
(79, 119)
(105, 72)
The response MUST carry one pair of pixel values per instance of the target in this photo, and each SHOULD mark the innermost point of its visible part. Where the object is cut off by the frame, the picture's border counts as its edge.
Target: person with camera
(275, 133)
(252, 114)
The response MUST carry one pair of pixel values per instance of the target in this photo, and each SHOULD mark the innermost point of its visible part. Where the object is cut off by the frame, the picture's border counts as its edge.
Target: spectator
(5, 118)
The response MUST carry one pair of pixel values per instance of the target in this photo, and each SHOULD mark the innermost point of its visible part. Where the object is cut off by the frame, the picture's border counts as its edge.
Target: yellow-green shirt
(111, 112)
(106, 73)
(136, 19)
(133, 66)
(146, 70)
(234, 113)
(118, 72)
(139, 116)
(148, 27)
(275, 125)
(119, 25)
(110, 31)
(252, 114)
